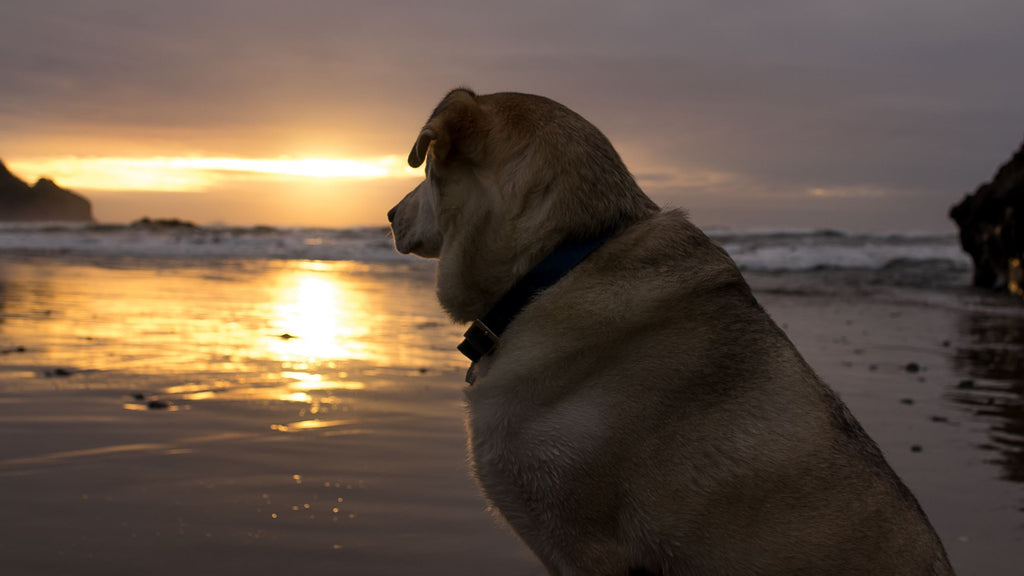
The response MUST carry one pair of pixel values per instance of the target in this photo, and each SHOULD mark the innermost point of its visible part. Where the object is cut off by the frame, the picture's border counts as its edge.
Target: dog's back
(649, 400)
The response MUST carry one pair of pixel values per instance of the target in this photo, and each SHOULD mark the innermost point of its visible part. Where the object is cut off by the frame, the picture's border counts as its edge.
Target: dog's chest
(527, 457)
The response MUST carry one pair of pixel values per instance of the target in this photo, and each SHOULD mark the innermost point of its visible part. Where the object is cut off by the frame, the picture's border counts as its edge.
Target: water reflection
(289, 331)
(3, 296)
(310, 425)
(307, 381)
(319, 315)
(992, 362)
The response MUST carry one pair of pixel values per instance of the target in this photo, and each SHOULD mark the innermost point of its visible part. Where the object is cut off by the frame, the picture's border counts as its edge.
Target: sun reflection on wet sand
(321, 317)
(276, 407)
(304, 348)
(310, 425)
(306, 381)
(267, 330)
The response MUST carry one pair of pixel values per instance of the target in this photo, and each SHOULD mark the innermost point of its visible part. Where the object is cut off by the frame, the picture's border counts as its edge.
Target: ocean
(214, 399)
(937, 255)
(929, 268)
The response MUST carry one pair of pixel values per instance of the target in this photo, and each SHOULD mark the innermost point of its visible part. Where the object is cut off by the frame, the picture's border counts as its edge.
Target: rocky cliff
(991, 222)
(42, 201)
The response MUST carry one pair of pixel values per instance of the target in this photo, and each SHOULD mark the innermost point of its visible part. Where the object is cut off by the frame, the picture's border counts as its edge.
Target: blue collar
(483, 335)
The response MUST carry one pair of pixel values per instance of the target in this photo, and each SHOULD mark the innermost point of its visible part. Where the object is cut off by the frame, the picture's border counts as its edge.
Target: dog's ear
(453, 128)
(419, 149)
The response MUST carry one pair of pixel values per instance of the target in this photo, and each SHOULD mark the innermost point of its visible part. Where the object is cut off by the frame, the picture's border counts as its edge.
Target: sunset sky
(868, 115)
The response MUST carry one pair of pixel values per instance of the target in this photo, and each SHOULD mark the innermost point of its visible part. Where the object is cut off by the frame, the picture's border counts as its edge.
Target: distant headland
(44, 200)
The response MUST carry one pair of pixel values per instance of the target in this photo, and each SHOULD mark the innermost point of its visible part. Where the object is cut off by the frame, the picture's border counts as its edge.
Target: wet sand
(942, 392)
(306, 417)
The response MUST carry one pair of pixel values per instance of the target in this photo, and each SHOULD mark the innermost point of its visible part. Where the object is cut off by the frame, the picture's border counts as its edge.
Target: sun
(308, 167)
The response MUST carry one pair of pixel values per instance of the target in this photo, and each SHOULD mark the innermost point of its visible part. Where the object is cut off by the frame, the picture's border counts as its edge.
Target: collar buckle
(478, 341)
(490, 334)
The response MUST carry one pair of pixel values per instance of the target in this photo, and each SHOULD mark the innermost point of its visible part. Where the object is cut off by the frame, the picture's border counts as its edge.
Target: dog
(634, 410)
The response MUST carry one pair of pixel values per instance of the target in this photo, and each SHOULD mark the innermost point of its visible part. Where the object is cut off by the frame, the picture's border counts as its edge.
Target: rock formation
(42, 201)
(991, 225)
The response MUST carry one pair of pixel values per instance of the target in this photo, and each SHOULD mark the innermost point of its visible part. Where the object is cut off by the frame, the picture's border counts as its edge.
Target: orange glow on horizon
(197, 173)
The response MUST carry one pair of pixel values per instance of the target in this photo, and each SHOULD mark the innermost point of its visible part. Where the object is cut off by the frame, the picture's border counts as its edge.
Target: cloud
(847, 192)
(909, 96)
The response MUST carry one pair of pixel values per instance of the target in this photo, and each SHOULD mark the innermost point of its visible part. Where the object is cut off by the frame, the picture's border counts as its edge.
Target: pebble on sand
(59, 372)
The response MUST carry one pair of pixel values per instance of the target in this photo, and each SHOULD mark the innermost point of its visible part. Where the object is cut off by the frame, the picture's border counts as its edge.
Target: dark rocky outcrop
(163, 224)
(42, 201)
(991, 225)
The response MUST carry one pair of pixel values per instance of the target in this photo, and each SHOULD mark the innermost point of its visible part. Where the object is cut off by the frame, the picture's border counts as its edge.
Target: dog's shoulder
(669, 252)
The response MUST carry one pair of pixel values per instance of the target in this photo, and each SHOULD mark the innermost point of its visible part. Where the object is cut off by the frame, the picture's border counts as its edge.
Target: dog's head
(446, 145)
(508, 177)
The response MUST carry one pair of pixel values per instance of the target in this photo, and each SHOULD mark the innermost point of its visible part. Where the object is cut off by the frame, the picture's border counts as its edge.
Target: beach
(172, 406)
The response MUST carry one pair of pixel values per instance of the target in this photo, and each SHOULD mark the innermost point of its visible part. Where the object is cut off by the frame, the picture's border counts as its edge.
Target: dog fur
(644, 415)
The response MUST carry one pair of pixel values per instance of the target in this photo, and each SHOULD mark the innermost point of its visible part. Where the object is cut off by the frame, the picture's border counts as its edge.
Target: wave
(184, 240)
(795, 251)
(756, 251)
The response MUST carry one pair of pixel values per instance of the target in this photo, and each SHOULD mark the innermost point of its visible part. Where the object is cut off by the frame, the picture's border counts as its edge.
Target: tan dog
(643, 415)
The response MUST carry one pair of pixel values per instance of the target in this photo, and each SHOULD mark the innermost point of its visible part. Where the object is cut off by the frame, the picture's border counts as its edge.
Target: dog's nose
(391, 214)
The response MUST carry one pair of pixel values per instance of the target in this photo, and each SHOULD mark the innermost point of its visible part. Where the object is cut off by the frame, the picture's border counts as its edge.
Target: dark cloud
(920, 99)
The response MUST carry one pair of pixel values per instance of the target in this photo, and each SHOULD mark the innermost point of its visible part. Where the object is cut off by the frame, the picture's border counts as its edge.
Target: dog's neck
(485, 332)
